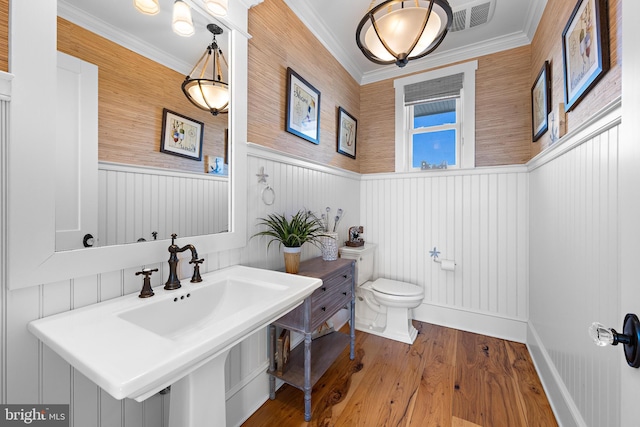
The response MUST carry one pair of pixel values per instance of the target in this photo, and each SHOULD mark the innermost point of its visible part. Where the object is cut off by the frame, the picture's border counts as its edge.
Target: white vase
(329, 246)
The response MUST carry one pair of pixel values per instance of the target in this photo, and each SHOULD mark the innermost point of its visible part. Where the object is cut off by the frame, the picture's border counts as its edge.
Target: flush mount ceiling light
(209, 94)
(182, 23)
(398, 31)
(217, 7)
(148, 7)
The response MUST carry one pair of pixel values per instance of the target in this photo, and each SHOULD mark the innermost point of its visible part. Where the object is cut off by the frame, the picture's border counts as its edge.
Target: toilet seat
(397, 288)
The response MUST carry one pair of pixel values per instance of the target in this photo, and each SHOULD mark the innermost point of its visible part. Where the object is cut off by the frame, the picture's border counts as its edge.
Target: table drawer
(332, 285)
(328, 304)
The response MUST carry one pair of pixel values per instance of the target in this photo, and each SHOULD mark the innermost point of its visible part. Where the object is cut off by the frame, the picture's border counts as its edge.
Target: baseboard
(245, 399)
(566, 412)
(480, 323)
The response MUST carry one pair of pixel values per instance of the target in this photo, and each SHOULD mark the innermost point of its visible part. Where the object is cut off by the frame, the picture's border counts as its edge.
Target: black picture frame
(347, 133)
(541, 102)
(303, 108)
(585, 50)
(181, 135)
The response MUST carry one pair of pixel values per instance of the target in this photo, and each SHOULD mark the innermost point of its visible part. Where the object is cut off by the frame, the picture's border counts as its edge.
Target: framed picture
(303, 108)
(347, 127)
(181, 136)
(541, 102)
(585, 49)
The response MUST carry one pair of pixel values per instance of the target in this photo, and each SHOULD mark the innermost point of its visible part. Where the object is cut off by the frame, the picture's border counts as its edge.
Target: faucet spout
(173, 282)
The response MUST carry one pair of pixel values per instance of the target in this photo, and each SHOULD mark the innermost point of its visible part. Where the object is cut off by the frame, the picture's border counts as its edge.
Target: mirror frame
(32, 259)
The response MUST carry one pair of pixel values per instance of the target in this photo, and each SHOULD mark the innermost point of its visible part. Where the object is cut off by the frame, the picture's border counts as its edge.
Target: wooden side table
(309, 362)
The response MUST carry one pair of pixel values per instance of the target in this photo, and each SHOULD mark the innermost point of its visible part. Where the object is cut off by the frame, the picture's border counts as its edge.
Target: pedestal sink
(133, 347)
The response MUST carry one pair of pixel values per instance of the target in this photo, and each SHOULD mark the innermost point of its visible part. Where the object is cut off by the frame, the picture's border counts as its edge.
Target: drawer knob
(344, 293)
(323, 308)
(324, 288)
(345, 275)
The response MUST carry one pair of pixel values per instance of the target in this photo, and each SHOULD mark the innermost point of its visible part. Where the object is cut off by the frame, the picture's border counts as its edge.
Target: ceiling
(511, 23)
(334, 22)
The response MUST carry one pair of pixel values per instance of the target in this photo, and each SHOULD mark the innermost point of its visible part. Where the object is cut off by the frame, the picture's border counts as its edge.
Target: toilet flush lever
(629, 338)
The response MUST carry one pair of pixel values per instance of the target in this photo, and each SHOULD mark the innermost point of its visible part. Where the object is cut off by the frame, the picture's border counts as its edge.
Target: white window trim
(468, 133)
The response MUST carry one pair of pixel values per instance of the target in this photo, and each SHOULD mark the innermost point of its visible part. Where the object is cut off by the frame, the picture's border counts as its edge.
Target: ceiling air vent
(472, 14)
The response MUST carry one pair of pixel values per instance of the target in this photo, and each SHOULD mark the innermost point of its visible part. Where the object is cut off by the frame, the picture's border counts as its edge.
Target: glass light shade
(182, 23)
(148, 7)
(399, 29)
(208, 94)
(217, 7)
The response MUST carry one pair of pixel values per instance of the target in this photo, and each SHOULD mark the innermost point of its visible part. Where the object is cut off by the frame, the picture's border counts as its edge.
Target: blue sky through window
(434, 147)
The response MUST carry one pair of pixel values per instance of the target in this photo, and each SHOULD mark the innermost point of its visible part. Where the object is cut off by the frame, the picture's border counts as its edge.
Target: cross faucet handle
(196, 270)
(146, 291)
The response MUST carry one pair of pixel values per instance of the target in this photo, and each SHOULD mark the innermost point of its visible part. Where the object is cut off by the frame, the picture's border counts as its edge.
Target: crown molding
(116, 35)
(449, 57)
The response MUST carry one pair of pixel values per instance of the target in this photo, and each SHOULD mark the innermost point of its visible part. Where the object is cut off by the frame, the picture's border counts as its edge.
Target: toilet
(384, 307)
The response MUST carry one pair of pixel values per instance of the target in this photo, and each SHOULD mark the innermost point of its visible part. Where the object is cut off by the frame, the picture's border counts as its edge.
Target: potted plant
(303, 227)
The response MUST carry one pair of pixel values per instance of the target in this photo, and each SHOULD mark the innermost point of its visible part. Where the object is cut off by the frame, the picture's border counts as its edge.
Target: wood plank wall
(547, 45)
(130, 104)
(280, 40)
(4, 35)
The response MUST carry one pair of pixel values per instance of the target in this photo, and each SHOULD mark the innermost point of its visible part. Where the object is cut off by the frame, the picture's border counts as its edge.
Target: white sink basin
(134, 347)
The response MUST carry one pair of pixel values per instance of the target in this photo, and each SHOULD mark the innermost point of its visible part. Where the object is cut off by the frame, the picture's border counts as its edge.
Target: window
(435, 119)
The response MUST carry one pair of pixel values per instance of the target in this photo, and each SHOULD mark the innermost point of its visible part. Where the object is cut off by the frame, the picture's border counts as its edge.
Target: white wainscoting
(477, 218)
(32, 373)
(574, 271)
(136, 201)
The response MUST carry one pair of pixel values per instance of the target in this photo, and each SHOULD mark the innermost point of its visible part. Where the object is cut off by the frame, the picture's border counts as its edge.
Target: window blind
(440, 88)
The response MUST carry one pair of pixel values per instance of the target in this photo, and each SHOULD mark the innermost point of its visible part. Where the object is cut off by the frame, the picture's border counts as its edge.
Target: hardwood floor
(447, 378)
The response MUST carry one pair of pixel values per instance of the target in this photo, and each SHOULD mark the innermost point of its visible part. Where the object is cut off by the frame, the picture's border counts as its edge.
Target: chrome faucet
(173, 282)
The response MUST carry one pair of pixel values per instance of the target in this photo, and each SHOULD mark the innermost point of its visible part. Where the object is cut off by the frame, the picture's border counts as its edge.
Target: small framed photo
(347, 132)
(181, 136)
(541, 102)
(585, 49)
(303, 108)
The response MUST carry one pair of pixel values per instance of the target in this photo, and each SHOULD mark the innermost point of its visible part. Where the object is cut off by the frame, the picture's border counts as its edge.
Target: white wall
(135, 201)
(33, 373)
(574, 271)
(479, 219)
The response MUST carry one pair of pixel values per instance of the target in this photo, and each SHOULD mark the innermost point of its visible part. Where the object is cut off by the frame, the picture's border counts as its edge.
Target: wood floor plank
(433, 405)
(469, 386)
(536, 411)
(447, 378)
(499, 385)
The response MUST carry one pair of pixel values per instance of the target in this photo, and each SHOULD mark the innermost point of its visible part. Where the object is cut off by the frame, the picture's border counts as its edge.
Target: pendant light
(182, 23)
(398, 31)
(217, 7)
(148, 7)
(209, 94)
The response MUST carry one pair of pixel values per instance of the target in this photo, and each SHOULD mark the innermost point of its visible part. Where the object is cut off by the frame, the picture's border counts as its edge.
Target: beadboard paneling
(134, 202)
(37, 374)
(477, 218)
(574, 274)
(130, 104)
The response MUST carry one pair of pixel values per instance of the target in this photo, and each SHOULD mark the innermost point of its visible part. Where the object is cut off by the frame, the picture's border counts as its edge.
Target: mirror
(149, 180)
(30, 191)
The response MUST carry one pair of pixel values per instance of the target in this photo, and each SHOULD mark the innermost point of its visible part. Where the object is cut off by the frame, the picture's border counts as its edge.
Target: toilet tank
(364, 257)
